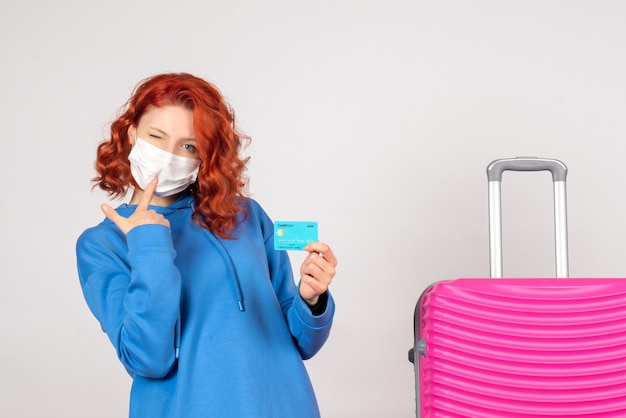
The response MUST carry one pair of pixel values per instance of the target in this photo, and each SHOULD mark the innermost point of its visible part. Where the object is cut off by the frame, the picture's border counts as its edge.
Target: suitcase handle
(556, 167)
(559, 175)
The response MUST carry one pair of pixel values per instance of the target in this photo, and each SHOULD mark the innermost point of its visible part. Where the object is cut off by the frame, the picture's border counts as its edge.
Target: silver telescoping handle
(559, 177)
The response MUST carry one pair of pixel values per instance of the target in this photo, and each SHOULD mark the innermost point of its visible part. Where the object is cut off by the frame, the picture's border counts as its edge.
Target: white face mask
(175, 172)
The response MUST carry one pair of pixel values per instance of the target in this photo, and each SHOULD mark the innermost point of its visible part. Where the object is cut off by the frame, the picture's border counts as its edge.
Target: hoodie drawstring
(229, 262)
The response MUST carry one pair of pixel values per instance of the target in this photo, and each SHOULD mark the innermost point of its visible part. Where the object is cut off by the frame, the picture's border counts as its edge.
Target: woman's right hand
(141, 216)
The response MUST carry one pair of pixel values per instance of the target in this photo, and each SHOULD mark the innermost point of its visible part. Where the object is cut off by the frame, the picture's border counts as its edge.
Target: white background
(376, 118)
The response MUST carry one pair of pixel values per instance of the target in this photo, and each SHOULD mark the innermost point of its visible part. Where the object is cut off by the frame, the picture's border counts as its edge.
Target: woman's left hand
(317, 272)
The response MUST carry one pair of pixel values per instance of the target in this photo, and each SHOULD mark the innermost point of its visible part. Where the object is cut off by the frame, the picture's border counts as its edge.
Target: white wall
(377, 118)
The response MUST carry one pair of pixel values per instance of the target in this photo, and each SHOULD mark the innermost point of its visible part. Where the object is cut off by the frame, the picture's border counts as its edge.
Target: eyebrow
(166, 134)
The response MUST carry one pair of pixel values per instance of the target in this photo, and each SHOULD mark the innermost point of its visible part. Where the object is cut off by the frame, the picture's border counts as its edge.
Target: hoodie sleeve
(309, 331)
(133, 288)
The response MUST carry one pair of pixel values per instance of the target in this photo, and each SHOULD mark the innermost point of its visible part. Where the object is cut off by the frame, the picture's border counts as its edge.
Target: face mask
(175, 173)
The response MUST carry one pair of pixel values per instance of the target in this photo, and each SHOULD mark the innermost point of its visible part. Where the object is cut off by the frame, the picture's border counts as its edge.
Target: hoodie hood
(180, 207)
(184, 201)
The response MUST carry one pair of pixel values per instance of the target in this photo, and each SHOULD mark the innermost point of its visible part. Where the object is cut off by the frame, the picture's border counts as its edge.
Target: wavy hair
(221, 183)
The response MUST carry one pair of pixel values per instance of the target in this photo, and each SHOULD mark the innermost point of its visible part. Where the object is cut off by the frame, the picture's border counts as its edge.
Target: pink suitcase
(508, 347)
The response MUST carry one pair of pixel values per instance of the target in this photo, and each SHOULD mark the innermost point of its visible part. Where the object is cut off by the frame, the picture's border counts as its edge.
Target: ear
(132, 134)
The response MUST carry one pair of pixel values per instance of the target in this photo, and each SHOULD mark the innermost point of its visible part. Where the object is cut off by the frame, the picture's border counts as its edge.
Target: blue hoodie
(206, 327)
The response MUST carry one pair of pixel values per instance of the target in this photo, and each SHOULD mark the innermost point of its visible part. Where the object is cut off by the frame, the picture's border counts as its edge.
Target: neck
(155, 201)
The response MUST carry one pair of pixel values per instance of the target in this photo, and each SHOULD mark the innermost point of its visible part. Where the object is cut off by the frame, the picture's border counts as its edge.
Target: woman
(184, 279)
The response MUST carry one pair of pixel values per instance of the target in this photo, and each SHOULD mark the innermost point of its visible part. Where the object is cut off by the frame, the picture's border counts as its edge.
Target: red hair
(220, 185)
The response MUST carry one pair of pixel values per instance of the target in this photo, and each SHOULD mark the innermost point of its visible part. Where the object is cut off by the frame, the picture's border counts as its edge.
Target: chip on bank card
(294, 235)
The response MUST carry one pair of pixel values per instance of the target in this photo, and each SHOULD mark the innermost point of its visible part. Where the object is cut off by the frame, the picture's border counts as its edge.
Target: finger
(330, 256)
(317, 260)
(313, 286)
(324, 250)
(146, 198)
(111, 214)
(316, 247)
(318, 270)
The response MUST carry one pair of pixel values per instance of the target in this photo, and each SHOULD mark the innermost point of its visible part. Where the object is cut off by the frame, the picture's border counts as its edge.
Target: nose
(165, 145)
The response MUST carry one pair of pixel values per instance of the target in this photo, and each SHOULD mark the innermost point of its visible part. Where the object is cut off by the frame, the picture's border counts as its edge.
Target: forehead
(172, 119)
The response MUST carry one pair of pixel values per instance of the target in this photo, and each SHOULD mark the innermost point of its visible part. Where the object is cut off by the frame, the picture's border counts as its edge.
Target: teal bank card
(293, 235)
